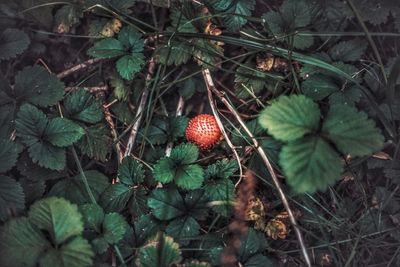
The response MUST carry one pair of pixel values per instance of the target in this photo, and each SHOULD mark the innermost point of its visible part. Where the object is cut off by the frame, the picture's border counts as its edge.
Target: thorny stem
(210, 85)
(211, 88)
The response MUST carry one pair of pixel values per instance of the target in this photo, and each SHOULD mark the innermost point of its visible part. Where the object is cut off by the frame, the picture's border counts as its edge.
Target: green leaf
(107, 48)
(166, 204)
(75, 253)
(8, 154)
(115, 197)
(12, 43)
(237, 9)
(296, 13)
(249, 80)
(196, 263)
(96, 142)
(221, 169)
(21, 243)
(34, 172)
(130, 172)
(196, 203)
(319, 86)
(12, 198)
(351, 131)
(310, 164)
(290, 117)
(37, 86)
(74, 189)
(62, 132)
(138, 203)
(351, 50)
(159, 251)
(252, 243)
(222, 192)
(189, 176)
(93, 216)
(121, 90)
(131, 39)
(31, 124)
(60, 218)
(259, 260)
(81, 105)
(145, 227)
(129, 65)
(164, 170)
(173, 53)
(183, 228)
(33, 190)
(114, 227)
(185, 153)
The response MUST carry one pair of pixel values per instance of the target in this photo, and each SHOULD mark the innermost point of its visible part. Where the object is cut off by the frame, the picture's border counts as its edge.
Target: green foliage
(180, 167)
(128, 193)
(161, 250)
(236, 12)
(82, 106)
(12, 198)
(8, 154)
(290, 117)
(310, 163)
(292, 15)
(166, 129)
(61, 221)
(73, 189)
(44, 137)
(348, 50)
(128, 48)
(12, 43)
(181, 211)
(35, 85)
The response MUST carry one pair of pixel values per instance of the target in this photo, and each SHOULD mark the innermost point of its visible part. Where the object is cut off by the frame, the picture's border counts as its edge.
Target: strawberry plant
(199, 133)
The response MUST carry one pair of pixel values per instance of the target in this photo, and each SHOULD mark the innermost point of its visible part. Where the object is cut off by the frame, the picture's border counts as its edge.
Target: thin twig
(78, 67)
(210, 84)
(92, 90)
(266, 161)
(179, 109)
(142, 104)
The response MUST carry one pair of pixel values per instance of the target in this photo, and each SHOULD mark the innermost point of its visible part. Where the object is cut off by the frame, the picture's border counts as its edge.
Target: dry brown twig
(211, 88)
(78, 67)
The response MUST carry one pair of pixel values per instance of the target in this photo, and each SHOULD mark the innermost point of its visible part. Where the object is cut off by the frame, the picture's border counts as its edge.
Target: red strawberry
(203, 130)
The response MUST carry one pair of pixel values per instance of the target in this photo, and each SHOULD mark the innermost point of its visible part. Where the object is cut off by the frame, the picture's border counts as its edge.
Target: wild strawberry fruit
(203, 130)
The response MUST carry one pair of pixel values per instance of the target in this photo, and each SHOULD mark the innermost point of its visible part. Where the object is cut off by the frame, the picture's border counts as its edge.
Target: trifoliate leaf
(74, 189)
(189, 176)
(12, 198)
(319, 86)
(222, 194)
(31, 125)
(60, 218)
(164, 170)
(107, 48)
(351, 131)
(237, 11)
(37, 86)
(93, 216)
(310, 164)
(159, 251)
(183, 228)
(96, 142)
(8, 154)
(82, 106)
(221, 169)
(131, 39)
(62, 132)
(21, 243)
(290, 117)
(130, 172)
(351, 50)
(74, 253)
(12, 43)
(129, 65)
(166, 204)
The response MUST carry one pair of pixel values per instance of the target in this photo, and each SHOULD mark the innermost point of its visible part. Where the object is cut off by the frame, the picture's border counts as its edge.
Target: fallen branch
(78, 67)
(263, 155)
